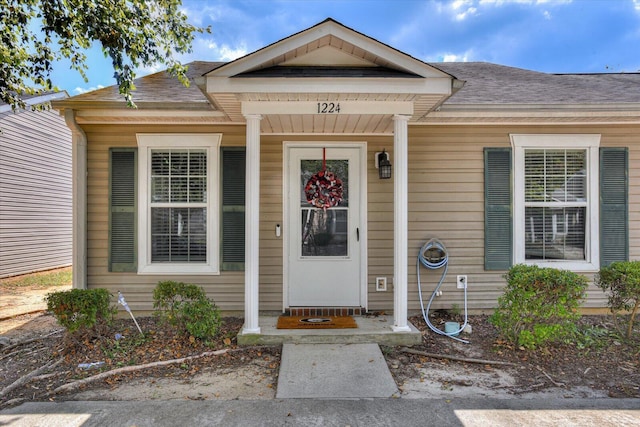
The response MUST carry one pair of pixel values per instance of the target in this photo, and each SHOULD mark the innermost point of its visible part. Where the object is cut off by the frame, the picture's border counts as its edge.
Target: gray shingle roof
(486, 84)
(498, 84)
(157, 88)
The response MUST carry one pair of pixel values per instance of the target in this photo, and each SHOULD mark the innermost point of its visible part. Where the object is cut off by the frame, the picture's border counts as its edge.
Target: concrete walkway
(319, 412)
(325, 371)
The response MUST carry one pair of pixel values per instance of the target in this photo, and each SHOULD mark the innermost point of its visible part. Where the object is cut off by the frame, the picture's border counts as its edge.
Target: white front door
(324, 245)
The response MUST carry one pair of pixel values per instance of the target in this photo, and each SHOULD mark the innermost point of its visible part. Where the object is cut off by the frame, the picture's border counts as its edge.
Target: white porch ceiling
(231, 105)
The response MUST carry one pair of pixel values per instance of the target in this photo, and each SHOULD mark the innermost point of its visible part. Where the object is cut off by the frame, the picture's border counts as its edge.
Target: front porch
(371, 329)
(324, 94)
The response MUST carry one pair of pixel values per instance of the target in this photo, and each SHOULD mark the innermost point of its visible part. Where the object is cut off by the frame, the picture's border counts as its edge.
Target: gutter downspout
(79, 210)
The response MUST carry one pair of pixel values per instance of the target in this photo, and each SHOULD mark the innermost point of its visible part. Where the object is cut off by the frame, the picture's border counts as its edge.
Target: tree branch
(74, 385)
(456, 358)
(24, 379)
(18, 344)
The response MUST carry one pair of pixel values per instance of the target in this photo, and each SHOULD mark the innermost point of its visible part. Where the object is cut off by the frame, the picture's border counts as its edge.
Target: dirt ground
(28, 342)
(15, 301)
(610, 368)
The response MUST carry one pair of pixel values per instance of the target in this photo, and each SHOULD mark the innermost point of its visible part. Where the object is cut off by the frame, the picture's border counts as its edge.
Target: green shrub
(539, 305)
(621, 282)
(187, 307)
(81, 309)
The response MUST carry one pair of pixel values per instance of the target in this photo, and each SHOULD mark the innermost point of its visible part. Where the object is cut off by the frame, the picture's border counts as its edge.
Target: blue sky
(557, 36)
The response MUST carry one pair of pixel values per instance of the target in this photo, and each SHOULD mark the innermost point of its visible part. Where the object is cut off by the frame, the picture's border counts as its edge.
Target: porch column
(252, 226)
(79, 195)
(400, 222)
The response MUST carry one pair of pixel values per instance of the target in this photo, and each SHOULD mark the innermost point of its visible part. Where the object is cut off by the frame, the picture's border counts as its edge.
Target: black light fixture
(384, 165)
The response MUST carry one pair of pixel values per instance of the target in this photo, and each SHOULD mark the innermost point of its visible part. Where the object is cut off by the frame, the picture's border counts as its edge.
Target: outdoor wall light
(383, 165)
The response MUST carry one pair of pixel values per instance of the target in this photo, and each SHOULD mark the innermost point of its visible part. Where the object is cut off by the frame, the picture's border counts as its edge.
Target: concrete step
(371, 329)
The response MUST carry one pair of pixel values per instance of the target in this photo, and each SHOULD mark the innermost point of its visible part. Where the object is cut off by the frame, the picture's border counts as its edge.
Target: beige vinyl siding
(35, 192)
(379, 225)
(446, 200)
(227, 289)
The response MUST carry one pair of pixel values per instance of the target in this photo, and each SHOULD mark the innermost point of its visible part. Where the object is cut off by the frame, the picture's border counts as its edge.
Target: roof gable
(328, 43)
(328, 62)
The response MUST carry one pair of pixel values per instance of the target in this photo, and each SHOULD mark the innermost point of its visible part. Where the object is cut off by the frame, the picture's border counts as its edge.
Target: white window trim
(589, 142)
(209, 142)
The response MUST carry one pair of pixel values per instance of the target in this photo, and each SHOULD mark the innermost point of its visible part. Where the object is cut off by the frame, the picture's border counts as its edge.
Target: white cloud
(463, 8)
(531, 2)
(204, 11)
(150, 69)
(636, 5)
(80, 90)
(225, 52)
(547, 15)
(451, 57)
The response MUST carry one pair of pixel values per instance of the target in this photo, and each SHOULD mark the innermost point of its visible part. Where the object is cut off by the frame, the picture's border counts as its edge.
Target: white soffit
(327, 56)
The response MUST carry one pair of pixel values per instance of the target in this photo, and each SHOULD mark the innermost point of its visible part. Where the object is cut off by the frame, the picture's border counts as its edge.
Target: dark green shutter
(233, 184)
(122, 210)
(614, 212)
(498, 234)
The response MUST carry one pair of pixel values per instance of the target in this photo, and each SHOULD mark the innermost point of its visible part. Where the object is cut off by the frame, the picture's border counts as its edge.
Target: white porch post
(79, 195)
(400, 222)
(252, 226)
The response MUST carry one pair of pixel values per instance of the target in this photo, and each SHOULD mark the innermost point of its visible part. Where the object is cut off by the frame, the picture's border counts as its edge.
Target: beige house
(224, 184)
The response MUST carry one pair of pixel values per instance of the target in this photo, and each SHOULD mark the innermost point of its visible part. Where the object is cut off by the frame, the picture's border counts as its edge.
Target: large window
(178, 199)
(178, 202)
(555, 200)
(555, 204)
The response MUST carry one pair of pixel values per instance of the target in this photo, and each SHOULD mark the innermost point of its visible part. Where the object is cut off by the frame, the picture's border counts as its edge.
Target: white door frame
(362, 146)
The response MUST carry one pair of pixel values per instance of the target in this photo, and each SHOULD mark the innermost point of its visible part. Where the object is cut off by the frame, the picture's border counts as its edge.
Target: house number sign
(328, 107)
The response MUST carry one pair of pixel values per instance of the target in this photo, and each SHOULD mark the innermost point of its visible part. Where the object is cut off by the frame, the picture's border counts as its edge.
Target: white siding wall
(35, 192)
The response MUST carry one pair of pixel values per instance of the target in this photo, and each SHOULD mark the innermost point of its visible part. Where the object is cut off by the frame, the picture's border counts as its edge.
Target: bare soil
(238, 373)
(602, 365)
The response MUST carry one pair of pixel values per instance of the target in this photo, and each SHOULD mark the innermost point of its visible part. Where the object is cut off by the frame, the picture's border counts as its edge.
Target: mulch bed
(160, 343)
(608, 363)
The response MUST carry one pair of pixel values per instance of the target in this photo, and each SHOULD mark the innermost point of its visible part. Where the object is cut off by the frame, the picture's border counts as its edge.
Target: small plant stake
(123, 303)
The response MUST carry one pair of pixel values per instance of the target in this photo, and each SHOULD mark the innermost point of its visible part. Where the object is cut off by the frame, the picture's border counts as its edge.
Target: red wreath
(324, 189)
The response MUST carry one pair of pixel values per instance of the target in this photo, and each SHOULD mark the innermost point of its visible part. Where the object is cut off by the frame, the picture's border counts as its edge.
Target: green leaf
(34, 34)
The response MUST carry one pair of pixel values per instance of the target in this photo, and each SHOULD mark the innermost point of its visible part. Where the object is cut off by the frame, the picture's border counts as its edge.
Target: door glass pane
(324, 232)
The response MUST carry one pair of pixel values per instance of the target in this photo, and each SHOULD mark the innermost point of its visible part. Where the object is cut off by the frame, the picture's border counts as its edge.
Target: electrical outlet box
(461, 282)
(381, 284)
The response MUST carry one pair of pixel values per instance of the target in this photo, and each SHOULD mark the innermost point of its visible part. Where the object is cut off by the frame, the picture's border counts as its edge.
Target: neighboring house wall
(446, 200)
(35, 192)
